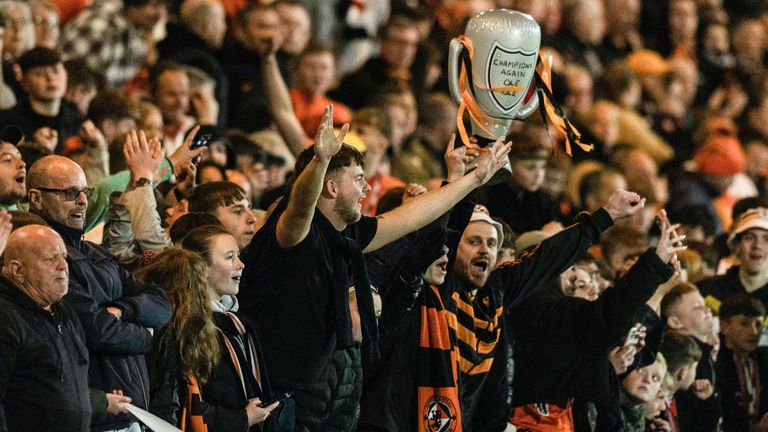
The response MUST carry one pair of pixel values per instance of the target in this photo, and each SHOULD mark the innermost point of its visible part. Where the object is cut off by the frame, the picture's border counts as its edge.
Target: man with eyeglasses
(117, 311)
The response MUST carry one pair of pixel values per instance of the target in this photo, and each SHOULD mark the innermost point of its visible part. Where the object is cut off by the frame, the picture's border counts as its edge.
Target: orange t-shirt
(309, 110)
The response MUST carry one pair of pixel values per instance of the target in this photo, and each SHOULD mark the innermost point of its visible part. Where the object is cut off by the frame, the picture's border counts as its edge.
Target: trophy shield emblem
(509, 68)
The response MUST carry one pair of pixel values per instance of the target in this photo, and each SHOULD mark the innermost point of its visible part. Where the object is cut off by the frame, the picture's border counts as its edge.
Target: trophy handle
(454, 56)
(529, 107)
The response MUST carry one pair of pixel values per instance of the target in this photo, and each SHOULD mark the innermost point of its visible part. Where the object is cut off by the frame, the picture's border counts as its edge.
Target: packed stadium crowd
(255, 215)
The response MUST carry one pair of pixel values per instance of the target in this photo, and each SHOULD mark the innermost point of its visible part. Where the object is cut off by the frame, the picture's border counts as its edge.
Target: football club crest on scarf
(440, 415)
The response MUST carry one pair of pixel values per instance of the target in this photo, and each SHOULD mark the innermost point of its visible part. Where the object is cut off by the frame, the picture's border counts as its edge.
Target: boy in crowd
(698, 409)
(742, 367)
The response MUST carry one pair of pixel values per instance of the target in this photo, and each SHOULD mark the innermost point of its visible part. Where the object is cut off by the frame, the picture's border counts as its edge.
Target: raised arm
(555, 254)
(280, 105)
(293, 225)
(422, 210)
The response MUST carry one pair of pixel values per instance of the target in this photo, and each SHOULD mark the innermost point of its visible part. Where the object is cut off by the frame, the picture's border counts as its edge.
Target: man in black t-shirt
(301, 264)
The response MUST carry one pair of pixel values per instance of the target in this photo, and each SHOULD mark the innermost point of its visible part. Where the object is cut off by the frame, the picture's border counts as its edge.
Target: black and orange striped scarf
(192, 411)
(437, 368)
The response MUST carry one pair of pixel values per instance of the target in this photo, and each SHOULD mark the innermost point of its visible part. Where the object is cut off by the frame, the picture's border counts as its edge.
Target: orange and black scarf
(192, 411)
(437, 368)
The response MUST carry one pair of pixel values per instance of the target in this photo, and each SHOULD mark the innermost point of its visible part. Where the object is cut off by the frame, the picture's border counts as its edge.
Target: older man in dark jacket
(117, 311)
(43, 358)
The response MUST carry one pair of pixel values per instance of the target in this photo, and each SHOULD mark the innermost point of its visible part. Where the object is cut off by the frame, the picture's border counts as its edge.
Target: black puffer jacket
(117, 346)
(43, 366)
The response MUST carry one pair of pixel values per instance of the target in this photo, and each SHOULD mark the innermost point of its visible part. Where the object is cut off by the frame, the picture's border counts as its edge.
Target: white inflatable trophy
(496, 87)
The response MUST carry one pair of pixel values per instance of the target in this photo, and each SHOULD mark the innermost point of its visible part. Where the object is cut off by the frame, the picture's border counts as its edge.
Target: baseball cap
(752, 218)
(481, 214)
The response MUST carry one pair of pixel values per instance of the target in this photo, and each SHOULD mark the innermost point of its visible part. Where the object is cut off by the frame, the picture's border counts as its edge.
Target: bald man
(117, 311)
(43, 358)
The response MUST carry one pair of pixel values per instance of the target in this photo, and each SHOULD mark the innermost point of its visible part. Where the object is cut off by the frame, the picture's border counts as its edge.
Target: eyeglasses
(70, 194)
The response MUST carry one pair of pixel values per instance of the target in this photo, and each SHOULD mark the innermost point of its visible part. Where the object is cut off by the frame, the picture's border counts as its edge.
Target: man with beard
(460, 316)
(301, 264)
(12, 173)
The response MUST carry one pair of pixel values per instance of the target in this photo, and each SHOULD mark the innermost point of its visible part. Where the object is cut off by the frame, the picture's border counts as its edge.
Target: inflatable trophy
(495, 74)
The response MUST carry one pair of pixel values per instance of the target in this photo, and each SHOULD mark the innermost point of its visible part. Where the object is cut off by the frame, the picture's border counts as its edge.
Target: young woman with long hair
(207, 369)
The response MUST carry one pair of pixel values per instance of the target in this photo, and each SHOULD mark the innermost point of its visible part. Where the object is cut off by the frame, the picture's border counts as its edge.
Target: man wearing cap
(469, 306)
(748, 241)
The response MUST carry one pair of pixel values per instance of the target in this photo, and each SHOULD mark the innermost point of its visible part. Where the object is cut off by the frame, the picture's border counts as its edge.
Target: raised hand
(185, 153)
(457, 159)
(624, 204)
(412, 191)
(185, 179)
(92, 136)
(702, 388)
(327, 144)
(491, 160)
(670, 243)
(143, 157)
(622, 357)
(46, 137)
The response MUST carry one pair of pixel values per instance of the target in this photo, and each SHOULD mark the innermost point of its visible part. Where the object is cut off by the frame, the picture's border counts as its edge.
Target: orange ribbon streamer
(468, 102)
(572, 135)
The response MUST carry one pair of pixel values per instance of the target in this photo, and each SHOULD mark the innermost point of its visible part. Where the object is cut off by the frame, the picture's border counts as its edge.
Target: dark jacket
(356, 89)
(688, 188)
(117, 346)
(183, 46)
(733, 402)
(715, 289)
(387, 401)
(43, 366)
(562, 343)
(694, 414)
(223, 399)
(522, 210)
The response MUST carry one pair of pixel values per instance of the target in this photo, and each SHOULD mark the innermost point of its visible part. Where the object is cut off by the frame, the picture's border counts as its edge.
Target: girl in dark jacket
(206, 367)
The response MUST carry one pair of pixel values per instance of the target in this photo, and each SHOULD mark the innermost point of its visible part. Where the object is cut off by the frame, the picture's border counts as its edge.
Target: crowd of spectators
(255, 215)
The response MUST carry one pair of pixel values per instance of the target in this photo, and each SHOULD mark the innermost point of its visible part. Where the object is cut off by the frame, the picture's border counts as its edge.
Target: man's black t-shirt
(287, 294)
(66, 124)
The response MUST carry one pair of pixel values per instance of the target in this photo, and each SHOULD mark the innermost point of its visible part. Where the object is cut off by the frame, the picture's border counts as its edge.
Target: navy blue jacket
(117, 346)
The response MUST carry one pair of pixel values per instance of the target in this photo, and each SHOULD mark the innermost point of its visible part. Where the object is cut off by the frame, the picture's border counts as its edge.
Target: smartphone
(201, 140)
(633, 337)
(281, 398)
(204, 136)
